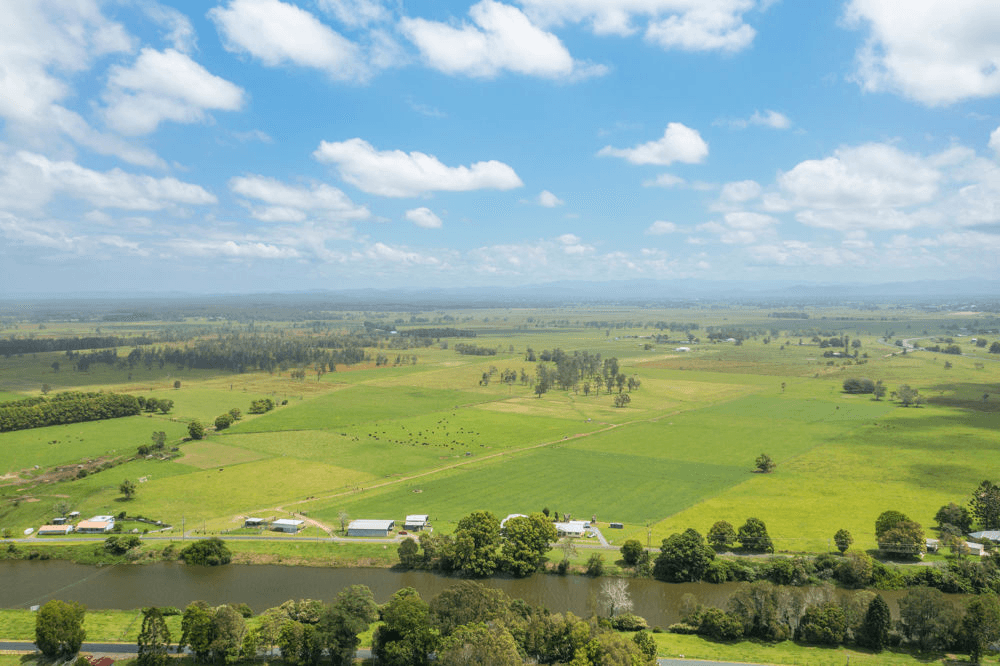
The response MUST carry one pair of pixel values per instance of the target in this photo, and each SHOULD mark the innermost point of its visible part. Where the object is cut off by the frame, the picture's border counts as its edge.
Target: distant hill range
(951, 294)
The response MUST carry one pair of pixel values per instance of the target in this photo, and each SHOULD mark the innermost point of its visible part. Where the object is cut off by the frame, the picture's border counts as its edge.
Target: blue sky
(278, 145)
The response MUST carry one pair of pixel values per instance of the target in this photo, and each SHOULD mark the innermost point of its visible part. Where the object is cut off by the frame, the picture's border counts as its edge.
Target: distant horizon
(248, 146)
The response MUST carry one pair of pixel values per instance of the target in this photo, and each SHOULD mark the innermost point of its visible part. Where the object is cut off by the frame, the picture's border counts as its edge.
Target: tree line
(13, 346)
(67, 407)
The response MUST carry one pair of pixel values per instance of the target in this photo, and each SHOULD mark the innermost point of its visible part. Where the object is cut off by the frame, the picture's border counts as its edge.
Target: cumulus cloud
(862, 186)
(394, 173)
(500, 38)
(678, 144)
(665, 180)
(740, 191)
(660, 228)
(287, 203)
(278, 33)
(549, 200)
(424, 218)
(179, 31)
(37, 178)
(230, 249)
(931, 53)
(995, 141)
(706, 25)
(165, 85)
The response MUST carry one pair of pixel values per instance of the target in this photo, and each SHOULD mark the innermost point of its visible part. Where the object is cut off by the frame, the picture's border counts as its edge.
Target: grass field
(366, 439)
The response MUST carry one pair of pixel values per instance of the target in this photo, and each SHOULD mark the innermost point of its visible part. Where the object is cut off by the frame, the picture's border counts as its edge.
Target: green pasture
(359, 404)
(75, 442)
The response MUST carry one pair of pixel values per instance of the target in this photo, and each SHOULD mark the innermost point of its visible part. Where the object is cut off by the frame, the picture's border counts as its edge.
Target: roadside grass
(314, 553)
(102, 626)
(787, 652)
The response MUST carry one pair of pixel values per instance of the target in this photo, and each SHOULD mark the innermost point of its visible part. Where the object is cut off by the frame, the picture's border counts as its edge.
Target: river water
(26, 583)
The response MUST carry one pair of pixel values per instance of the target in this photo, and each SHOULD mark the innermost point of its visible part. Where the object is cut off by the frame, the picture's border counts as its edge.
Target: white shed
(287, 525)
(416, 522)
(571, 529)
(370, 528)
(253, 522)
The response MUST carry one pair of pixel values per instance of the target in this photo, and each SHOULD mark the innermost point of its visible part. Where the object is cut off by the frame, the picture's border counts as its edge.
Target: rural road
(126, 649)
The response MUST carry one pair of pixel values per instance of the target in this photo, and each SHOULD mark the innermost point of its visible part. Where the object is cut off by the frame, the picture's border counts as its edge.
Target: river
(125, 586)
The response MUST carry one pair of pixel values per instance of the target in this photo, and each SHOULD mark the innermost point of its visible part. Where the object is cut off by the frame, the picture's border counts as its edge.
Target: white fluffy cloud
(500, 38)
(230, 249)
(279, 33)
(394, 173)
(931, 52)
(424, 217)
(770, 118)
(287, 203)
(995, 141)
(867, 186)
(165, 85)
(679, 144)
(36, 179)
(660, 228)
(689, 25)
(549, 200)
(740, 191)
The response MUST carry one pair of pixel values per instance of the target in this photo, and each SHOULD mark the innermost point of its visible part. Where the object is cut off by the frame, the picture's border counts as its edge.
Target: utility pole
(182, 528)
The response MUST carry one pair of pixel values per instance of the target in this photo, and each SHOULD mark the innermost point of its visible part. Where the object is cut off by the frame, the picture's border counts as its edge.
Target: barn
(370, 528)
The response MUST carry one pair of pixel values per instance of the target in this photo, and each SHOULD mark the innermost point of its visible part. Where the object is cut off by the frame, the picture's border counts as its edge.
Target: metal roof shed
(416, 522)
(370, 528)
(287, 525)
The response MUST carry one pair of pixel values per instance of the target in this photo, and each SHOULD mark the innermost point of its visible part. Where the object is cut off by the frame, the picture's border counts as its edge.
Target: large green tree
(754, 538)
(874, 631)
(526, 540)
(59, 629)
(405, 637)
(928, 618)
(351, 613)
(980, 625)
(154, 639)
(985, 505)
(197, 630)
(683, 558)
(477, 543)
(721, 536)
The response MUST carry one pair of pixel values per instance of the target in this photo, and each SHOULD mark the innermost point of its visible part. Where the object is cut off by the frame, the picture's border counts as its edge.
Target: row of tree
(68, 407)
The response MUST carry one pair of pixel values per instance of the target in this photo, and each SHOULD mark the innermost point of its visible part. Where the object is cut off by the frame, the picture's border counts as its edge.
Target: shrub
(595, 565)
(856, 385)
(208, 552)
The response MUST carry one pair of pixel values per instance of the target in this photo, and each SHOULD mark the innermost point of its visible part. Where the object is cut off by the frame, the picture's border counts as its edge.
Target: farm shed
(287, 525)
(416, 522)
(988, 535)
(96, 525)
(370, 528)
(253, 522)
(47, 530)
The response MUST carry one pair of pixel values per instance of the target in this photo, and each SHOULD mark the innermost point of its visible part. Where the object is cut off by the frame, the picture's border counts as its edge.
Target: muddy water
(25, 583)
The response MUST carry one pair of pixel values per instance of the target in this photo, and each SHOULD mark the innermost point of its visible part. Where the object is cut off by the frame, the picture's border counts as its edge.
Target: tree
(223, 421)
(62, 508)
(408, 553)
(631, 551)
(753, 537)
(823, 624)
(352, 613)
(985, 505)
(858, 385)
(177, 383)
(843, 539)
(127, 488)
(479, 644)
(908, 396)
(927, 617)
(879, 391)
(159, 440)
(595, 565)
(477, 539)
(622, 399)
(405, 637)
(526, 540)
(343, 517)
(888, 520)
(59, 629)
(196, 430)
(209, 552)
(721, 536)
(683, 558)
(197, 630)
(766, 610)
(980, 625)
(955, 516)
(995, 348)
(154, 639)
(615, 596)
(906, 538)
(764, 464)
(874, 631)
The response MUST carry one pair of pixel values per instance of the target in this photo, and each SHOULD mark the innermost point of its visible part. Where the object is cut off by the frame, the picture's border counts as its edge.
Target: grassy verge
(787, 652)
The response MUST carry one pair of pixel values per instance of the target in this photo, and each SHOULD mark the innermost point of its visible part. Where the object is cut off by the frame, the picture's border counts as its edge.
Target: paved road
(129, 649)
